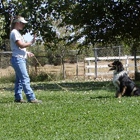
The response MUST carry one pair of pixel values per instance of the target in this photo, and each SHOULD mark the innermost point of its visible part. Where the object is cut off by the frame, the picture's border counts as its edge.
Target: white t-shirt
(17, 51)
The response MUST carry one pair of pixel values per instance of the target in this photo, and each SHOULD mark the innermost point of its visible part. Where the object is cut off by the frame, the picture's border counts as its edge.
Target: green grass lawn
(87, 111)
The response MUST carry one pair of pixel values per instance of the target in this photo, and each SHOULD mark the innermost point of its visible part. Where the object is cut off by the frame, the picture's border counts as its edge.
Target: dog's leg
(124, 90)
(133, 91)
(137, 92)
(119, 94)
(117, 84)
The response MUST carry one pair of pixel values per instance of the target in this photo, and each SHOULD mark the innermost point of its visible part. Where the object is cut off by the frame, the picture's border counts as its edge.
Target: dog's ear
(120, 66)
(115, 62)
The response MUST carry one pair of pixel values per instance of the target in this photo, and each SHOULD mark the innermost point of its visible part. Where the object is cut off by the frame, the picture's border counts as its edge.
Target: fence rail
(93, 63)
(89, 66)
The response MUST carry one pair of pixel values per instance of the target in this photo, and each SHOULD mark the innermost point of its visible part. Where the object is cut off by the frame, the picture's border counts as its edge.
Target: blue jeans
(22, 80)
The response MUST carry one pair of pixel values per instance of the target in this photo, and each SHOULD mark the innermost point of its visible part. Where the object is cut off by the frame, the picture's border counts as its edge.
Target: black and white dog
(124, 85)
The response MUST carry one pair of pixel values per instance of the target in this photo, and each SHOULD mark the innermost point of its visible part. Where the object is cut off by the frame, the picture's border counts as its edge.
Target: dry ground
(75, 70)
(78, 70)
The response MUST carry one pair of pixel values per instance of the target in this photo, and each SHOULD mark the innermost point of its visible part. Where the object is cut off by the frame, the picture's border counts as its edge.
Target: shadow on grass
(101, 97)
(73, 86)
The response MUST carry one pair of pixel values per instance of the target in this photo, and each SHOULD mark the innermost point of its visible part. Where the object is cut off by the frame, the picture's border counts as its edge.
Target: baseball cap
(21, 19)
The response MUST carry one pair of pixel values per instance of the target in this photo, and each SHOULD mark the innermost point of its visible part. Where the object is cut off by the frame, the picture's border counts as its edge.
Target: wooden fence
(98, 66)
(94, 67)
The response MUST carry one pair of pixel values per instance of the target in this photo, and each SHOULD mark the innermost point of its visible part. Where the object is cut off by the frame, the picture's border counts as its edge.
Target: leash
(65, 89)
(106, 85)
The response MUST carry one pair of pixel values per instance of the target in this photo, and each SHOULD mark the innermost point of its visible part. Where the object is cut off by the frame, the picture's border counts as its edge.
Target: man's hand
(30, 54)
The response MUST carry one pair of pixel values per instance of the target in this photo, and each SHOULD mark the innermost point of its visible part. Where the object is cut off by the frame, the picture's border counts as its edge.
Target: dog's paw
(118, 95)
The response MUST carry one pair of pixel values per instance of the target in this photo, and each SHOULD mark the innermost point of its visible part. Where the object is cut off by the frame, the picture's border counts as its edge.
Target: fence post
(84, 69)
(135, 61)
(76, 65)
(63, 67)
(119, 51)
(95, 55)
(127, 64)
(89, 70)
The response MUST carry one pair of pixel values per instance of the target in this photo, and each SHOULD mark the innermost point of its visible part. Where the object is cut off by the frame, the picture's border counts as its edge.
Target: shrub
(43, 76)
(7, 79)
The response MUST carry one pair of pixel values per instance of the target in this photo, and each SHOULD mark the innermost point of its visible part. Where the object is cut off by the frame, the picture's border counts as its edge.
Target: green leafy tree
(2, 23)
(98, 21)
(104, 21)
(35, 11)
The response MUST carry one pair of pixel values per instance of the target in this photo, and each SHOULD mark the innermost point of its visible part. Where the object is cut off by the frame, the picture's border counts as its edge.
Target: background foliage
(104, 21)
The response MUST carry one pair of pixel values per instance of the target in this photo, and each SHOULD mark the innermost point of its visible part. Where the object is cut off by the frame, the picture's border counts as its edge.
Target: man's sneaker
(35, 101)
(20, 101)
